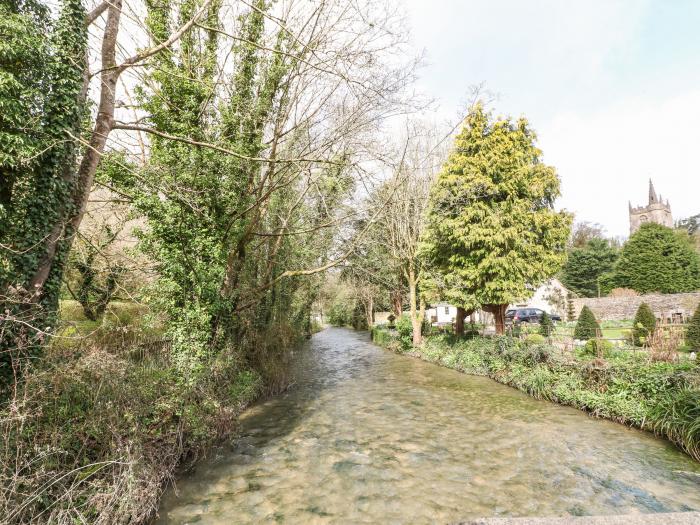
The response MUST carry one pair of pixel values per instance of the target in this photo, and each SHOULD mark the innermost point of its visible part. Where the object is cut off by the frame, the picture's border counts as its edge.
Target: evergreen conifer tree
(644, 324)
(587, 326)
(492, 223)
(657, 259)
(692, 336)
(585, 265)
(546, 325)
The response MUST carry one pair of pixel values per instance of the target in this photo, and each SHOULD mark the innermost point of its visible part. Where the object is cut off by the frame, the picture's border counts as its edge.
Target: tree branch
(145, 129)
(96, 13)
(167, 43)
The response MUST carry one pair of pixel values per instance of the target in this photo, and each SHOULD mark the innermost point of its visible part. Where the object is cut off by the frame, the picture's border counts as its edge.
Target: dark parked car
(527, 315)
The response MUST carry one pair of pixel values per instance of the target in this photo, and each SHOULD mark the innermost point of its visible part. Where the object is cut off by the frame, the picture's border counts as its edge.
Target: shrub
(657, 259)
(111, 434)
(535, 339)
(692, 336)
(405, 330)
(587, 326)
(546, 325)
(644, 324)
(596, 348)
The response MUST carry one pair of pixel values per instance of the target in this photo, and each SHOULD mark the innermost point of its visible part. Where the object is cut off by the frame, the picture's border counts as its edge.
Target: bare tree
(404, 218)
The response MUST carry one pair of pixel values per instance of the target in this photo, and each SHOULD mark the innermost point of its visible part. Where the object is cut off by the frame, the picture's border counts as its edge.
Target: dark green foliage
(644, 324)
(41, 68)
(359, 320)
(587, 326)
(380, 336)
(585, 265)
(677, 416)
(607, 282)
(658, 259)
(692, 336)
(546, 325)
(339, 316)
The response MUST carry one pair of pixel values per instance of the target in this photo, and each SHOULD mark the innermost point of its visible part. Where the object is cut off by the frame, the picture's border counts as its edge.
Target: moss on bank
(625, 387)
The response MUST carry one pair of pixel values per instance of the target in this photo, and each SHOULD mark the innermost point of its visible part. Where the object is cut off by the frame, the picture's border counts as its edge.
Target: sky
(612, 88)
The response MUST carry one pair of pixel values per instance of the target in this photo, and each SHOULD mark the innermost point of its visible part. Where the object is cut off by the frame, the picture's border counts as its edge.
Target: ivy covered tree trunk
(38, 180)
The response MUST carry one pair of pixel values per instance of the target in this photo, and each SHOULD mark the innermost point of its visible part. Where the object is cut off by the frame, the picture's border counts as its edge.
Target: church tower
(656, 211)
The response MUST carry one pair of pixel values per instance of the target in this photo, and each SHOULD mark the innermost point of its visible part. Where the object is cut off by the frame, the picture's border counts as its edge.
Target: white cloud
(606, 157)
(609, 85)
(534, 53)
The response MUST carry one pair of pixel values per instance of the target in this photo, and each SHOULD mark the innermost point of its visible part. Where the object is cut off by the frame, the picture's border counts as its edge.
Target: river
(367, 436)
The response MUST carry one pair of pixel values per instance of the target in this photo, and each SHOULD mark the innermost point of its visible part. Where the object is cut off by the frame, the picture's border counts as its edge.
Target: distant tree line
(654, 259)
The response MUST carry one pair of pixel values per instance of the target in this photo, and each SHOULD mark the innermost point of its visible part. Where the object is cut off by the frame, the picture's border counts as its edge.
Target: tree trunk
(416, 316)
(88, 166)
(396, 302)
(499, 316)
(459, 321)
(369, 312)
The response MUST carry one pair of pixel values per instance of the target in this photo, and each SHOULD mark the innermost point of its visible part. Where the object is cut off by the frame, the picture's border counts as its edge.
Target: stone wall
(669, 307)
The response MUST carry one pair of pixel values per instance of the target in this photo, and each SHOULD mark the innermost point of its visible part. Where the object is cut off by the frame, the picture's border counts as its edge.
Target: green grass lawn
(118, 313)
(122, 320)
(617, 331)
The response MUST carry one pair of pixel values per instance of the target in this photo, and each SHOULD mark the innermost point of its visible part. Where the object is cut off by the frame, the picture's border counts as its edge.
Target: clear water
(367, 436)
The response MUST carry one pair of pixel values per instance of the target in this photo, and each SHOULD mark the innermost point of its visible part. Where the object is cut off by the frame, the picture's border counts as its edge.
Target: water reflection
(366, 436)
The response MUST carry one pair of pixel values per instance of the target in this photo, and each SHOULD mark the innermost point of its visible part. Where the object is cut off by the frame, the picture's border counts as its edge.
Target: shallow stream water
(368, 436)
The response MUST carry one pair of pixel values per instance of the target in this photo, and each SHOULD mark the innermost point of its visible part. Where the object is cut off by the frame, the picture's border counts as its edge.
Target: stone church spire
(652, 193)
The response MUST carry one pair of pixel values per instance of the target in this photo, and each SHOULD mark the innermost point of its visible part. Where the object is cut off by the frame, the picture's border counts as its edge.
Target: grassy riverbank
(624, 386)
(95, 429)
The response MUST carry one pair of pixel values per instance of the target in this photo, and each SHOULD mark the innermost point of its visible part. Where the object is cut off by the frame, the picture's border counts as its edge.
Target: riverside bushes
(94, 437)
(624, 386)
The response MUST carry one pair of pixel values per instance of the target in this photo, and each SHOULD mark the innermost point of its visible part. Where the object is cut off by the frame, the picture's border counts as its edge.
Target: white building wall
(545, 298)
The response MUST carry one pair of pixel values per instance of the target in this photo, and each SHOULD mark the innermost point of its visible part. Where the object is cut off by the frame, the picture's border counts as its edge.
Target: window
(447, 310)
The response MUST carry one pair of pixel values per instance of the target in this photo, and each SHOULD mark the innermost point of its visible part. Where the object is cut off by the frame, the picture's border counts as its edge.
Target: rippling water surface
(367, 436)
